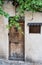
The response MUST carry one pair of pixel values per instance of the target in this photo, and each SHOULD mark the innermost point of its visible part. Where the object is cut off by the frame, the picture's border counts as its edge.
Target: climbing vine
(30, 5)
(2, 12)
(21, 7)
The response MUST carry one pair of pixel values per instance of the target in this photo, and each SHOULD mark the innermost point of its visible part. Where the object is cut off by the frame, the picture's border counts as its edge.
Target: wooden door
(16, 43)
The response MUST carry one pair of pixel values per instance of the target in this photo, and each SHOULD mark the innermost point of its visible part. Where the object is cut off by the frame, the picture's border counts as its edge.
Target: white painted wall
(33, 42)
(4, 40)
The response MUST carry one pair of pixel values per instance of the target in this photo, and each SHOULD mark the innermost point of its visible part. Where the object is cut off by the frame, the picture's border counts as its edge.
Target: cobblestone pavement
(7, 62)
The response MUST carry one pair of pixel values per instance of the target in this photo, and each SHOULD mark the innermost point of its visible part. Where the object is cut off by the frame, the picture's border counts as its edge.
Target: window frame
(36, 27)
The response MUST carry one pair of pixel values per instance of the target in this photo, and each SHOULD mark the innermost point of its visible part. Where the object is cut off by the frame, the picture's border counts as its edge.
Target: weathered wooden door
(16, 43)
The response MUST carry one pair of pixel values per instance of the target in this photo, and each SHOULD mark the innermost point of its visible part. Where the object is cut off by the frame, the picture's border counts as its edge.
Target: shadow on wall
(2, 54)
(30, 60)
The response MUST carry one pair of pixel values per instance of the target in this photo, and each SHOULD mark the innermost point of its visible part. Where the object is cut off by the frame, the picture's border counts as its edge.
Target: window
(34, 28)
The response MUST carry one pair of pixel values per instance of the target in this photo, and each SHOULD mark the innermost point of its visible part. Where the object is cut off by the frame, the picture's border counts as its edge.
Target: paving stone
(7, 62)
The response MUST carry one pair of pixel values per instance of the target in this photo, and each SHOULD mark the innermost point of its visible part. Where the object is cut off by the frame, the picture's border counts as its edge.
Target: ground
(7, 62)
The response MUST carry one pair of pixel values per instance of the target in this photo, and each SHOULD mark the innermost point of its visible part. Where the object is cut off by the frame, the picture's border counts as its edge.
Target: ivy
(13, 21)
(30, 5)
(23, 5)
(2, 12)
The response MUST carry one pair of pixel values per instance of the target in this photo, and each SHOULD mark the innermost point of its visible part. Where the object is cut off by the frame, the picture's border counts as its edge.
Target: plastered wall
(4, 39)
(33, 42)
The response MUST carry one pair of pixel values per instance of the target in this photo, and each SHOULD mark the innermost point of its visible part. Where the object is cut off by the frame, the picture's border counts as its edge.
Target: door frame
(23, 41)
